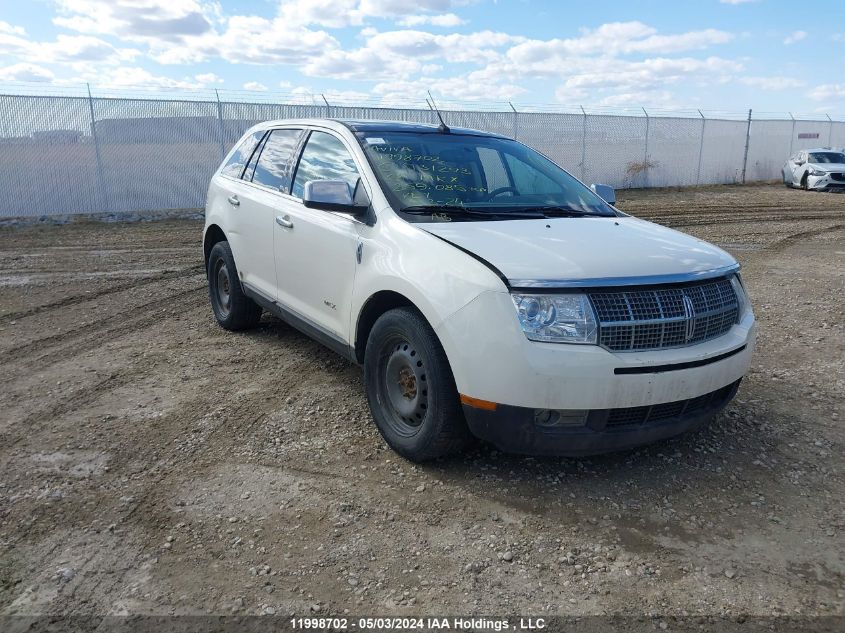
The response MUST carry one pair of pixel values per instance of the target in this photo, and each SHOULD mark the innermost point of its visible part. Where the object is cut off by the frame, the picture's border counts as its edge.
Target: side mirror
(334, 195)
(605, 192)
(799, 162)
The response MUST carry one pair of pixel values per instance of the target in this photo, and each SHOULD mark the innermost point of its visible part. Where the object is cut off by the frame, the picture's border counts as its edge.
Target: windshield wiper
(552, 211)
(454, 210)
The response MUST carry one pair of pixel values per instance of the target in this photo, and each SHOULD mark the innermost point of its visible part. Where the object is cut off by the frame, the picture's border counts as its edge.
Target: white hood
(828, 166)
(582, 248)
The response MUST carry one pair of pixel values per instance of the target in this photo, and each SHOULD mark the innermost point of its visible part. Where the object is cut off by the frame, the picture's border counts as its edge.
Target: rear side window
(234, 167)
(325, 157)
(249, 172)
(274, 164)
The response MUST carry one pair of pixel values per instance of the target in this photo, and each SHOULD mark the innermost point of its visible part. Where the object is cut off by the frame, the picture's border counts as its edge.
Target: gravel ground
(151, 463)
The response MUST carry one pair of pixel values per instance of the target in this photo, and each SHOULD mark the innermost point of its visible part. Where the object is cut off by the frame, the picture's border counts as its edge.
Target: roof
(408, 126)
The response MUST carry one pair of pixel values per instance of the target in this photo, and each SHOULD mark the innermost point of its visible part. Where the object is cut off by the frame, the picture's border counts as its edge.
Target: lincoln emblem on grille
(689, 314)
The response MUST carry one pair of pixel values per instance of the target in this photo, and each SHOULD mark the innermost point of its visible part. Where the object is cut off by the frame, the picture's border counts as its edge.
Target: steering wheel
(500, 191)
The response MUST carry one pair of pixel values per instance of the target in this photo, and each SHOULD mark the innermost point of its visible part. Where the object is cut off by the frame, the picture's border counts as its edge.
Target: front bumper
(493, 361)
(514, 429)
(828, 182)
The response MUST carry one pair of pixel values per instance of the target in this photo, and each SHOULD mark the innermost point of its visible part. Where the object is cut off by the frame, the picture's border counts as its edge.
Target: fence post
(328, 107)
(792, 138)
(104, 198)
(747, 140)
(645, 158)
(700, 148)
(515, 121)
(583, 144)
(220, 125)
(829, 130)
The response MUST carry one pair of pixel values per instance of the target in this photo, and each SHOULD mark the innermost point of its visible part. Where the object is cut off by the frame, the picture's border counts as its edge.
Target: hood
(827, 166)
(581, 248)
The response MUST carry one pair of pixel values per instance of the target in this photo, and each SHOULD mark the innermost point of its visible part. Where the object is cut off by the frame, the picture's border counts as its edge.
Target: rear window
(234, 167)
(274, 165)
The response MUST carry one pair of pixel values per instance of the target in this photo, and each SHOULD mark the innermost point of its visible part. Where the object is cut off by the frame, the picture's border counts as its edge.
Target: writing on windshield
(421, 177)
(419, 169)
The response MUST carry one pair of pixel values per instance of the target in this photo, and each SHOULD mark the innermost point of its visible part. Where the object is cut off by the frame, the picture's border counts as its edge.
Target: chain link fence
(76, 154)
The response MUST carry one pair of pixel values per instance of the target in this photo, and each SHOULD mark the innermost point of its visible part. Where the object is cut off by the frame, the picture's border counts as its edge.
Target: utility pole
(104, 199)
(700, 147)
(747, 140)
(583, 144)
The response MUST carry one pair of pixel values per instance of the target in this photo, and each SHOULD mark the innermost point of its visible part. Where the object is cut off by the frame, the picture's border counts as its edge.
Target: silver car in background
(816, 169)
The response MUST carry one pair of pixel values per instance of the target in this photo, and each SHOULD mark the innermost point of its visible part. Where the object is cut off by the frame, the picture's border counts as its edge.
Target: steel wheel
(223, 288)
(403, 382)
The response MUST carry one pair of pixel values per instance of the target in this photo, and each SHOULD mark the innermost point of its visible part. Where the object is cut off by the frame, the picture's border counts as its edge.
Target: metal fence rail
(87, 154)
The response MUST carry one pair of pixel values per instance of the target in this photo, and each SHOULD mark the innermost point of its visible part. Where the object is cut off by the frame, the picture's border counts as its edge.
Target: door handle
(233, 200)
(284, 221)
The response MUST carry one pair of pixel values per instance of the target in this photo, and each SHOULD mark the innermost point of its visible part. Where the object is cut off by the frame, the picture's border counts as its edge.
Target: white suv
(484, 290)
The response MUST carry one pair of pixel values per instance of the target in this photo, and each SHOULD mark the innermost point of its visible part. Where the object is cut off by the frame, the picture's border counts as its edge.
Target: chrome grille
(646, 319)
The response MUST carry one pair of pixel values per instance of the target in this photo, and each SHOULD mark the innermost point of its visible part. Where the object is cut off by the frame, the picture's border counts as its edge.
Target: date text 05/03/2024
(409, 624)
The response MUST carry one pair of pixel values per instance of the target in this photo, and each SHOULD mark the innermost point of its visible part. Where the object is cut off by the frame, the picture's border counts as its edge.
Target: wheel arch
(213, 235)
(376, 305)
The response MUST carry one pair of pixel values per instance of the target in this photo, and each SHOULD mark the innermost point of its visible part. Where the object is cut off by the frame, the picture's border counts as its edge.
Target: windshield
(435, 176)
(827, 157)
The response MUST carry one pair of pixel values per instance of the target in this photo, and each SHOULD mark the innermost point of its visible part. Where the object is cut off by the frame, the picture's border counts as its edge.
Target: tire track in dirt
(254, 410)
(98, 332)
(79, 299)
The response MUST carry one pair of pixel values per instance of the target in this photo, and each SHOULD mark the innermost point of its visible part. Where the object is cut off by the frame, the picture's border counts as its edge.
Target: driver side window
(528, 178)
(325, 157)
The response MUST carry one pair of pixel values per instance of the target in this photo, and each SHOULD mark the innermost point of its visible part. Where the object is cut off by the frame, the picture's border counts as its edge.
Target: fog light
(555, 418)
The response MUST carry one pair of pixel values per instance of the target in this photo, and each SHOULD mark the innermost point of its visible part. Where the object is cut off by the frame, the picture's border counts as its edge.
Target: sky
(715, 55)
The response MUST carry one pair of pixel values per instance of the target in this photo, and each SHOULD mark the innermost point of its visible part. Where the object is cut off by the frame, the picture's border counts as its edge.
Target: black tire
(804, 181)
(410, 388)
(232, 308)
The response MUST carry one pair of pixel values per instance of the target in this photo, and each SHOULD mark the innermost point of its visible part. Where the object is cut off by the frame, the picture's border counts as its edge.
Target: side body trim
(301, 323)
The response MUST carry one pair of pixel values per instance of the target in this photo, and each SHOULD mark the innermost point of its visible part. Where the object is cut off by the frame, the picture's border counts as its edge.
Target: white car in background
(484, 289)
(816, 170)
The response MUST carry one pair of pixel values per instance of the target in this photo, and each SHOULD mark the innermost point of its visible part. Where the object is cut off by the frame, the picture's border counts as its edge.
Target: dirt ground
(152, 463)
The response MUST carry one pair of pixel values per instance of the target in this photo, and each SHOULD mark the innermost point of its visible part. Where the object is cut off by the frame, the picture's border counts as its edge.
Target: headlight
(818, 172)
(563, 318)
(741, 297)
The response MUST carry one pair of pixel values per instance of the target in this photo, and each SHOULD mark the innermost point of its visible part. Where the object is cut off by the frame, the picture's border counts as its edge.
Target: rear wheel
(411, 389)
(232, 308)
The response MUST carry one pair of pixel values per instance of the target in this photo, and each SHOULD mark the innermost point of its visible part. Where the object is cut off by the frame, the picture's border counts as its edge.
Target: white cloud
(5, 27)
(208, 78)
(254, 85)
(65, 49)
(473, 86)
(401, 54)
(25, 72)
(256, 40)
(443, 19)
(132, 77)
(828, 91)
(772, 83)
(614, 39)
(141, 20)
(341, 13)
(794, 37)
(328, 13)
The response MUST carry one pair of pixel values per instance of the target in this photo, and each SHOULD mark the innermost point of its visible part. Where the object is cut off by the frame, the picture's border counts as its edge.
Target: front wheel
(410, 388)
